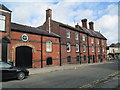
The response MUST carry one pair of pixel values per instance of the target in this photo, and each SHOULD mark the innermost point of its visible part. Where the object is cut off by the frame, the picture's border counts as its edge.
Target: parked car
(8, 71)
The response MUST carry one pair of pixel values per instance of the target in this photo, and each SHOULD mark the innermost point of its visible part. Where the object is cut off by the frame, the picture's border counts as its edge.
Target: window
(83, 37)
(98, 42)
(48, 46)
(2, 23)
(76, 35)
(98, 49)
(68, 47)
(85, 58)
(84, 48)
(102, 42)
(103, 49)
(92, 40)
(93, 49)
(77, 47)
(67, 34)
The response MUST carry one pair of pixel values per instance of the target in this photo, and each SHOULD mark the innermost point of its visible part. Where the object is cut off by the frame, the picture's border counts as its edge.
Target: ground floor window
(77, 58)
(69, 59)
(49, 61)
(85, 58)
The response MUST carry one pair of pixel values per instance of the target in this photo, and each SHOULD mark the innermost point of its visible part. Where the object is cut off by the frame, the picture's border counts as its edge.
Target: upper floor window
(68, 47)
(92, 40)
(83, 37)
(98, 41)
(102, 42)
(93, 48)
(77, 47)
(67, 34)
(76, 35)
(84, 48)
(2, 23)
(48, 46)
(98, 49)
(103, 49)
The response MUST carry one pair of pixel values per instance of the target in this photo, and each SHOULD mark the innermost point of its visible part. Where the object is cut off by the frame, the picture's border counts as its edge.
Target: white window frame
(102, 42)
(76, 35)
(68, 45)
(84, 48)
(93, 49)
(77, 47)
(98, 49)
(98, 41)
(48, 46)
(103, 49)
(83, 37)
(67, 34)
(3, 22)
(92, 40)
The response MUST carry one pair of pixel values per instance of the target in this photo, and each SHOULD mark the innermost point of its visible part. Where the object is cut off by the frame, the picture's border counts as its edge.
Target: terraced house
(51, 44)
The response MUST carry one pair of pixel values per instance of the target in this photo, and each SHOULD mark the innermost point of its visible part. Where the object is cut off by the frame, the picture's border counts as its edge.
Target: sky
(103, 14)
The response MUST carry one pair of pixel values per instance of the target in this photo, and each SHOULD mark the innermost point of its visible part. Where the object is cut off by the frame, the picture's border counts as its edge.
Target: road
(66, 78)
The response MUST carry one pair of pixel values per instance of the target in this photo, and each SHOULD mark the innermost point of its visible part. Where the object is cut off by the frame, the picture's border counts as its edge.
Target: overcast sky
(104, 14)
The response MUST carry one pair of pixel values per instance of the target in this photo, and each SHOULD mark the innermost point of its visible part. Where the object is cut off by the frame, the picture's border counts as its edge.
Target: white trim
(5, 11)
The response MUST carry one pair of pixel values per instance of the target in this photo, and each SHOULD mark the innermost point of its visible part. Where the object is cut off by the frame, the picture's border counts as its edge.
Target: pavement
(63, 67)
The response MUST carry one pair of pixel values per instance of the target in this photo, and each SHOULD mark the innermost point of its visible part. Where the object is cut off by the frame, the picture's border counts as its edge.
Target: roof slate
(83, 30)
(28, 29)
(4, 8)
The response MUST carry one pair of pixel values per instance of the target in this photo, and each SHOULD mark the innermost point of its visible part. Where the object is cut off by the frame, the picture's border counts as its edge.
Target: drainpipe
(79, 49)
(88, 49)
(41, 53)
(60, 52)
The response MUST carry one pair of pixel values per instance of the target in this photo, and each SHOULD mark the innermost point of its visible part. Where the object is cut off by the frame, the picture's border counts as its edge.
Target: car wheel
(21, 75)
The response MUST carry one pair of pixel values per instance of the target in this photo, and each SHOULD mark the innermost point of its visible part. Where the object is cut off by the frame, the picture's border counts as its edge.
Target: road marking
(100, 80)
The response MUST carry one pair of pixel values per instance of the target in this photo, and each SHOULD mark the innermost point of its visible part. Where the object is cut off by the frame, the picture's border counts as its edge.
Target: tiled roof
(28, 29)
(4, 8)
(115, 45)
(83, 30)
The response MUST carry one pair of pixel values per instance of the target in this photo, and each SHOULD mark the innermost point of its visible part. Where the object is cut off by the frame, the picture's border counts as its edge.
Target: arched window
(77, 47)
(68, 47)
(48, 46)
(84, 48)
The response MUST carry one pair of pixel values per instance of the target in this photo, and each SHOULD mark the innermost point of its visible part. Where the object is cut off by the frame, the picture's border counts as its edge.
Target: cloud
(103, 14)
(108, 24)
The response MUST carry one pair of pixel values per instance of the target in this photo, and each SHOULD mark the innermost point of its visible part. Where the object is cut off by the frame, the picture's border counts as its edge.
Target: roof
(33, 30)
(115, 45)
(4, 8)
(83, 30)
(68, 26)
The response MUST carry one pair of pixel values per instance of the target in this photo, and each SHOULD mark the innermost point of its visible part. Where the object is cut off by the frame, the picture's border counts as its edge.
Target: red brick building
(51, 44)
(86, 45)
(27, 46)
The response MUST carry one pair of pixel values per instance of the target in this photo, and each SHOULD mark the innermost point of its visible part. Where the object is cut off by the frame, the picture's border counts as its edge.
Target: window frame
(67, 34)
(83, 38)
(76, 36)
(50, 45)
(98, 49)
(93, 49)
(77, 48)
(3, 20)
(84, 48)
(92, 40)
(69, 46)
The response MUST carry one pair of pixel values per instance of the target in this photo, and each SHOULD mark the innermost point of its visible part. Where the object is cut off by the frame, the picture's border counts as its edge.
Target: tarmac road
(66, 78)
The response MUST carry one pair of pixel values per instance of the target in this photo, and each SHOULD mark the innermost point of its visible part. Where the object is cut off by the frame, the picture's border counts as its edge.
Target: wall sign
(24, 37)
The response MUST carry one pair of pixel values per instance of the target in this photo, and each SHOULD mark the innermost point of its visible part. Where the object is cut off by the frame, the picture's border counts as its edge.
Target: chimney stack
(77, 26)
(84, 23)
(91, 25)
(48, 14)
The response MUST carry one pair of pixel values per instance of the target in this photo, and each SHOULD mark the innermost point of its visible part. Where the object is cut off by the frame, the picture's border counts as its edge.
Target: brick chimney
(84, 23)
(78, 26)
(48, 14)
(91, 25)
